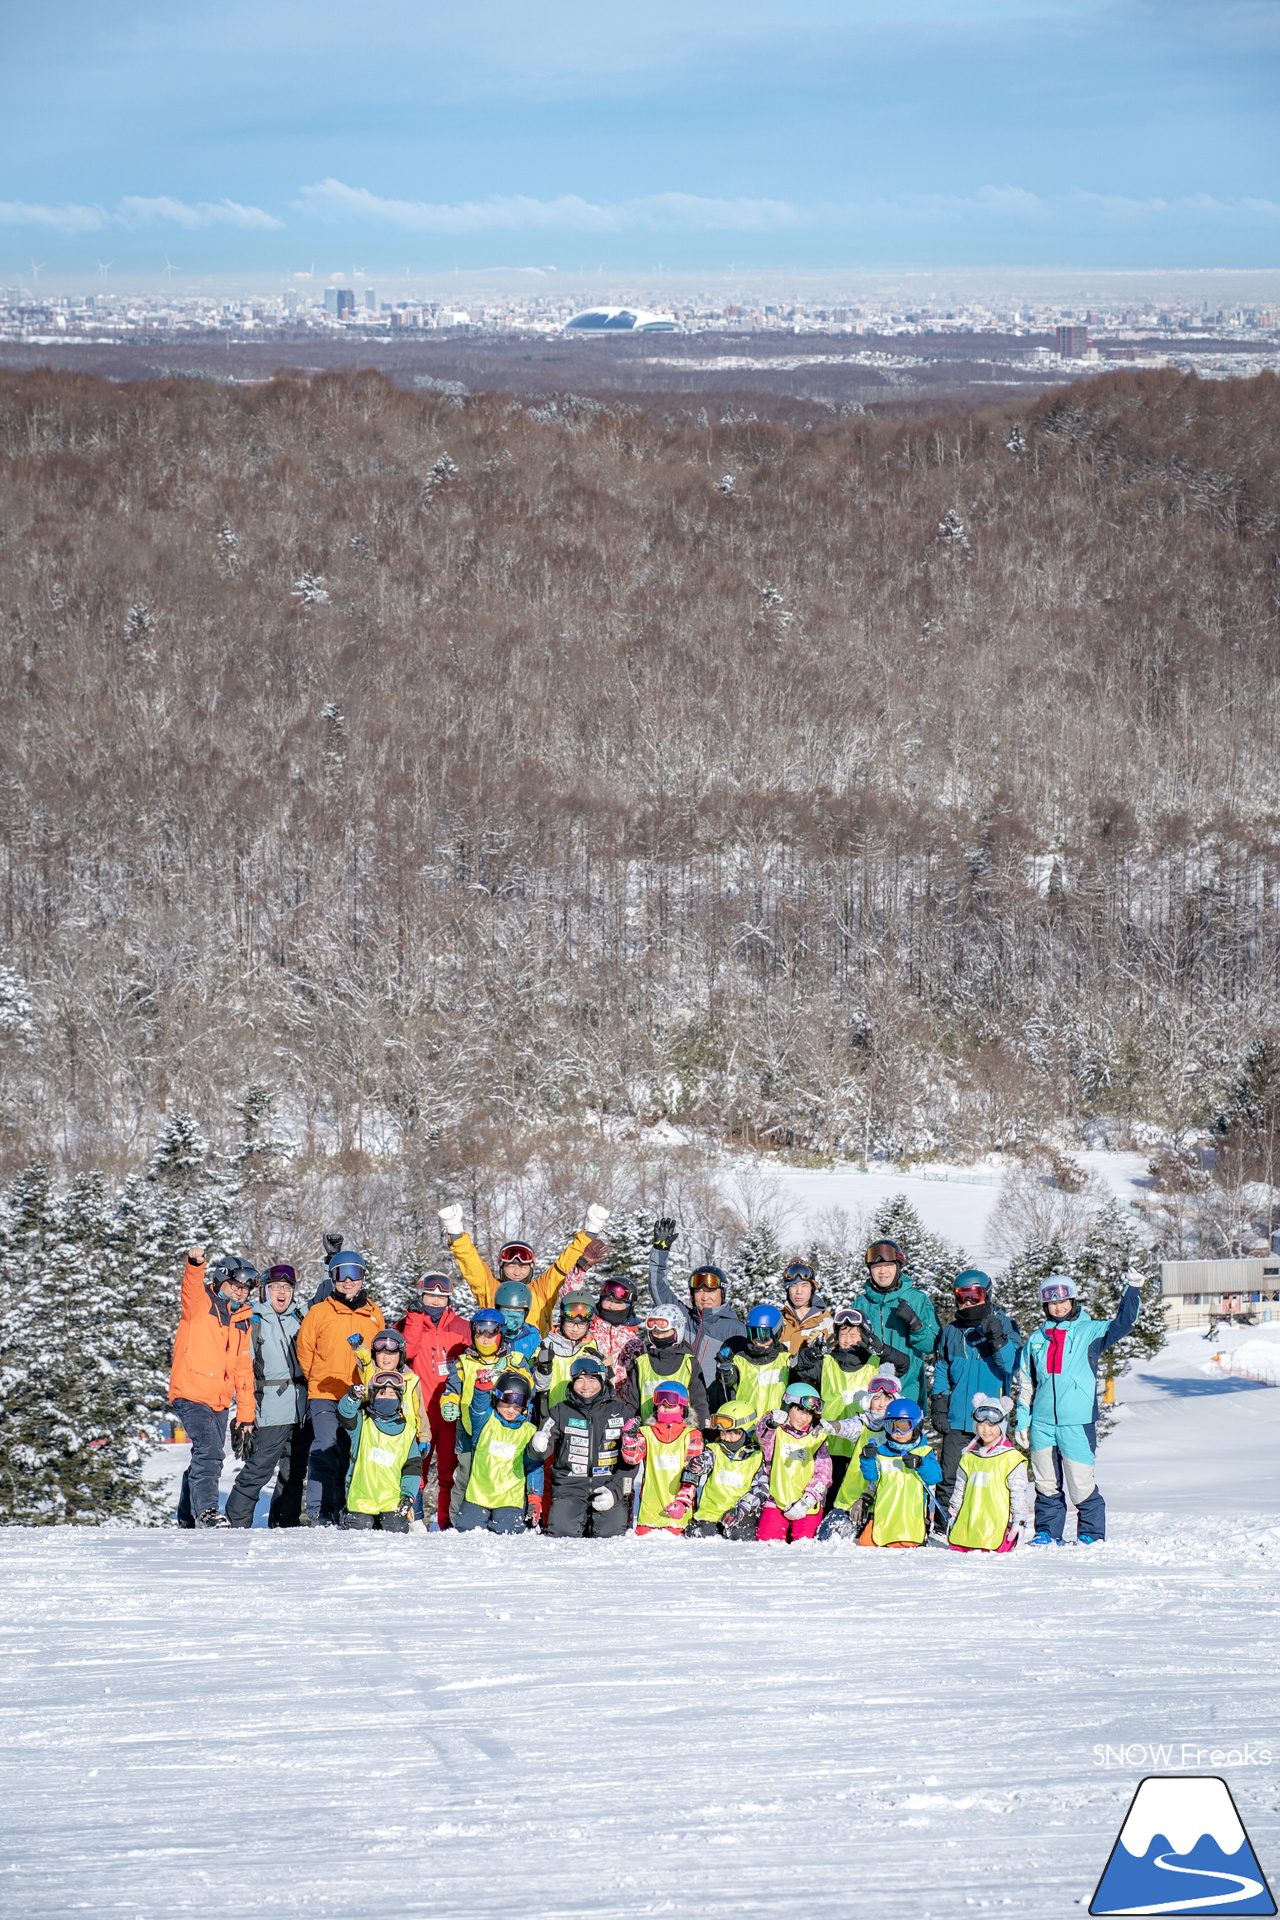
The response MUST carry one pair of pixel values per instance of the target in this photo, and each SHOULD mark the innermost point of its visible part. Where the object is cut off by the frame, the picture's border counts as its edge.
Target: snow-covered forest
(431, 795)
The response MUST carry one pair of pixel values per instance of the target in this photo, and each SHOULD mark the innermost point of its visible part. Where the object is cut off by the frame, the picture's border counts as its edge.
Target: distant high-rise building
(339, 301)
(371, 300)
(1072, 343)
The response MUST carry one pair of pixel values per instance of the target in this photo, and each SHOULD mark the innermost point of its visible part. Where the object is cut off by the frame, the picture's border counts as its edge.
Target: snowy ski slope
(260, 1724)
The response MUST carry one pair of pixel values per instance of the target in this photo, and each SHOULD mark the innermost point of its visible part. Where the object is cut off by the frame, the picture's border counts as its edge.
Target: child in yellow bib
(900, 1473)
(727, 1503)
(669, 1448)
(386, 1455)
(992, 1505)
(504, 1468)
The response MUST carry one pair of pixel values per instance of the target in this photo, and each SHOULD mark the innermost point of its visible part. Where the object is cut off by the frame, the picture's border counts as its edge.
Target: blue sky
(267, 135)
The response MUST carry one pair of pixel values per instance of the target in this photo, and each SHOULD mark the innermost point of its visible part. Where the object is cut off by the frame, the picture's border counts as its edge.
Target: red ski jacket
(430, 1346)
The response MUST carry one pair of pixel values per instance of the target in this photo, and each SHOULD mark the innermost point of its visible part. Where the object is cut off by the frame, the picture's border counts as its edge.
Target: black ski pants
(280, 1450)
(572, 1516)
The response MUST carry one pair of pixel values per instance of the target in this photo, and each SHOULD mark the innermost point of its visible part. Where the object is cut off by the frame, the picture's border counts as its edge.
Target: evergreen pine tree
(89, 1292)
(1113, 1250)
(755, 1272)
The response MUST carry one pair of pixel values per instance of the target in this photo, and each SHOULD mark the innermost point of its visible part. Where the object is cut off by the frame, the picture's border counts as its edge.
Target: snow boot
(1089, 1539)
(1043, 1539)
(212, 1518)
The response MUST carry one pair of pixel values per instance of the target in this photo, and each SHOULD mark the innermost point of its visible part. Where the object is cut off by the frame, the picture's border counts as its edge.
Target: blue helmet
(347, 1266)
(488, 1320)
(764, 1319)
(903, 1409)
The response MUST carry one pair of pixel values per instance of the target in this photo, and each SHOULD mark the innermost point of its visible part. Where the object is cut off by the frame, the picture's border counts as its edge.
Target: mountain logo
(1182, 1850)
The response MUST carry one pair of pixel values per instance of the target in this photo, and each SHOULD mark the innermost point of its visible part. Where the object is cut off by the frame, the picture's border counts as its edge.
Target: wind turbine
(37, 267)
(169, 268)
(104, 267)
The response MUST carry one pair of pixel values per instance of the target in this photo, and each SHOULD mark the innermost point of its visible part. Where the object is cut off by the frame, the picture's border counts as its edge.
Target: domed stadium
(620, 320)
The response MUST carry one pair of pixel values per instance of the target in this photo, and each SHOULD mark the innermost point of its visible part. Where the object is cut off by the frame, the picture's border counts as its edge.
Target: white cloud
(334, 201)
(135, 211)
(65, 219)
(338, 204)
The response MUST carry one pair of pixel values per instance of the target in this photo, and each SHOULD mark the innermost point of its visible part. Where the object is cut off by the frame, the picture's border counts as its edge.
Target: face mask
(513, 1319)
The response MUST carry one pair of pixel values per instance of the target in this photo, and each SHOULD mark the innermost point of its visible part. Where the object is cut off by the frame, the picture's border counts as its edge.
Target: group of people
(556, 1405)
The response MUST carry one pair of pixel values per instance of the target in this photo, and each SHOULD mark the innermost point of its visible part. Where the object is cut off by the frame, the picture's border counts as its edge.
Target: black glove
(908, 1316)
(665, 1233)
(992, 1329)
(938, 1413)
(331, 1242)
(242, 1440)
(870, 1451)
(913, 1460)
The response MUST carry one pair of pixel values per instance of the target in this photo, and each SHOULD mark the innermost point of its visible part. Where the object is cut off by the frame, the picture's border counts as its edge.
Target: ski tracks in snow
(323, 1723)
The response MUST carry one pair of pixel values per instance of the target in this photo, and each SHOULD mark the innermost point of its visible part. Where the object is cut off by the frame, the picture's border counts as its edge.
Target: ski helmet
(435, 1283)
(734, 1416)
(903, 1409)
(347, 1266)
(671, 1390)
(512, 1386)
(388, 1337)
(808, 1399)
(517, 1251)
(706, 1277)
(487, 1320)
(884, 1253)
(576, 1305)
(513, 1293)
(886, 1381)
(231, 1268)
(1059, 1287)
(994, 1411)
(972, 1288)
(662, 1317)
(799, 1270)
(587, 1364)
(764, 1323)
(282, 1275)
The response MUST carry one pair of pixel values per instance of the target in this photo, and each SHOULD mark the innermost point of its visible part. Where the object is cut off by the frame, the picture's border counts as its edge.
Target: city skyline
(273, 140)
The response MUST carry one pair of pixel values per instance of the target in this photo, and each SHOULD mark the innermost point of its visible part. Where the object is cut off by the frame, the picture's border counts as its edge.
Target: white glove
(777, 1418)
(1022, 1438)
(798, 1510)
(604, 1499)
(541, 1441)
(597, 1217)
(451, 1220)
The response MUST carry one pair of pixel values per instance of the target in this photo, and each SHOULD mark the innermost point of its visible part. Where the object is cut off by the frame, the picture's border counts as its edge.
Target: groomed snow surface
(241, 1724)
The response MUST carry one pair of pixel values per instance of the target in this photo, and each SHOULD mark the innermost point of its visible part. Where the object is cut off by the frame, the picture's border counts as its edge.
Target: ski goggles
(516, 1253)
(798, 1271)
(990, 1416)
(615, 1290)
(282, 1273)
(970, 1296)
(513, 1397)
(1055, 1293)
(659, 1319)
(705, 1283)
(848, 1317)
(726, 1423)
(575, 1313)
(884, 1253)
